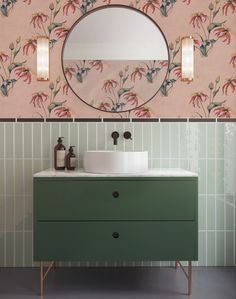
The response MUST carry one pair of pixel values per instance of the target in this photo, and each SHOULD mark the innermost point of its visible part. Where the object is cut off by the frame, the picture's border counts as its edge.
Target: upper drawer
(115, 200)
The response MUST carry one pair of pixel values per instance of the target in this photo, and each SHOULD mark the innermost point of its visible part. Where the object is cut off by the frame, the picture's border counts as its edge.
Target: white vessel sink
(115, 162)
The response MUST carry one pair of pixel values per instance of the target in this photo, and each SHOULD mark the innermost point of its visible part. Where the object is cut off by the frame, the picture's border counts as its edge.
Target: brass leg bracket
(43, 275)
(187, 273)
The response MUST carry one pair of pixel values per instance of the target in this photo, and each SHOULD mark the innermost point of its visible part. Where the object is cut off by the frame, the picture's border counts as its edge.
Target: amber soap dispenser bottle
(59, 155)
(70, 159)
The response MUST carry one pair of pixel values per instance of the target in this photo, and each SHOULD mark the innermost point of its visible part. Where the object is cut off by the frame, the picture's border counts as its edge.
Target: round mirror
(115, 58)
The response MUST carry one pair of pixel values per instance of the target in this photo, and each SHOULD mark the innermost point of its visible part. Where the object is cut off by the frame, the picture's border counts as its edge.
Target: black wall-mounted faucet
(115, 135)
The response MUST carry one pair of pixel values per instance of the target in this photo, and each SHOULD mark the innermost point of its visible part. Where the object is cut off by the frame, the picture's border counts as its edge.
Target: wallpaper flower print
(117, 85)
(8, 5)
(46, 102)
(153, 6)
(212, 23)
(12, 69)
(209, 102)
(174, 69)
(47, 24)
(210, 28)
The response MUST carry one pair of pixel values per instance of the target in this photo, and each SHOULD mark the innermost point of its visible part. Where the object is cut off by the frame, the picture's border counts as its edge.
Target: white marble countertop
(156, 172)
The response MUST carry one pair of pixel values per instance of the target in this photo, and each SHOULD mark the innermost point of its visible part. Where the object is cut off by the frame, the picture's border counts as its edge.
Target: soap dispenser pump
(59, 155)
(71, 159)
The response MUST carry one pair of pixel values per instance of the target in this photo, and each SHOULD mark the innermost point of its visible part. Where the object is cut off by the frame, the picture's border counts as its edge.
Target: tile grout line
(234, 235)
(160, 147)
(133, 136)
(124, 143)
(23, 180)
(215, 144)
(114, 129)
(14, 192)
(105, 134)
(151, 144)
(69, 133)
(59, 130)
(96, 136)
(225, 161)
(206, 153)
(188, 143)
(32, 169)
(169, 160)
(178, 145)
(78, 150)
(133, 127)
(41, 147)
(196, 146)
(234, 202)
(87, 136)
(160, 153)
(142, 262)
(51, 162)
(5, 192)
(142, 130)
(169, 148)
(69, 143)
(87, 263)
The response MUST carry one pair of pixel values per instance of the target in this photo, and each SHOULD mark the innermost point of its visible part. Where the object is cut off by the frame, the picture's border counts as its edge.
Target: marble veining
(158, 172)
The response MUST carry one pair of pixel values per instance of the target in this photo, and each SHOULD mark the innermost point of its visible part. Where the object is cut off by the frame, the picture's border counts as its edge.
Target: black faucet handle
(127, 135)
(115, 135)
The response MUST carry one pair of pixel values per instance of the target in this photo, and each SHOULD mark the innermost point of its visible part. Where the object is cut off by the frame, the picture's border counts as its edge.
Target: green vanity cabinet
(98, 218)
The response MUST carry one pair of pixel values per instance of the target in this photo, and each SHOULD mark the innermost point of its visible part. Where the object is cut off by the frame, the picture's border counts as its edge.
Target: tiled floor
(119, 283)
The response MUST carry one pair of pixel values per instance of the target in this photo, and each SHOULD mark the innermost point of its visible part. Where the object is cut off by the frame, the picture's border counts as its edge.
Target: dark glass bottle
(71, 159)
(59, 155)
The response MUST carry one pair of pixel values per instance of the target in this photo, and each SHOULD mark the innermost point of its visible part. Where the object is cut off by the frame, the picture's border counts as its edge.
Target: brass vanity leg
(189, 278)
(44, 275)
(187, 274)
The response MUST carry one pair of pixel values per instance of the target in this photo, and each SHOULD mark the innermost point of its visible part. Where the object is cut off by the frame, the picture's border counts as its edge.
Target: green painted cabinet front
(116, 219)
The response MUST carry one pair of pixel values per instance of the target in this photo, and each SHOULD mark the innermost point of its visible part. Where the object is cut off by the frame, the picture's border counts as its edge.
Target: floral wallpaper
(212, 93)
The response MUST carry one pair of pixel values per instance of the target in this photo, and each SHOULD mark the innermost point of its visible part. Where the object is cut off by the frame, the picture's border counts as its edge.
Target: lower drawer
(115, 241)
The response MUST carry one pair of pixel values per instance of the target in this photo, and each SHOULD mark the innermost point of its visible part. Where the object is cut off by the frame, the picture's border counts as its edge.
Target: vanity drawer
(115, 241)
(115, 200)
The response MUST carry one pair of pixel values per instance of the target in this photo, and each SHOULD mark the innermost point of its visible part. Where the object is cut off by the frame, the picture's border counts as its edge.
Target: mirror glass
(115, 58)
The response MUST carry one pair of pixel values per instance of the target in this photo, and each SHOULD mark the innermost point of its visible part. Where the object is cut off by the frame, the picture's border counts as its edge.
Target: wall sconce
(42, 58)
(187, 59)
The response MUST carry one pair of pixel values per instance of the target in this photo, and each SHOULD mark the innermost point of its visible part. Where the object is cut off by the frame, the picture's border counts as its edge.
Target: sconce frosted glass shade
(43, 58)
(187, 58)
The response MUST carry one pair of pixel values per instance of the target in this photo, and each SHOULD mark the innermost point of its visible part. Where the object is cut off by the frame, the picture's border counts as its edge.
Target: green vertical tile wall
(206, 148)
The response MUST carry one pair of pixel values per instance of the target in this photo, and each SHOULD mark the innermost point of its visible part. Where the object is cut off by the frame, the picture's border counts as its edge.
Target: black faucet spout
(115, 135)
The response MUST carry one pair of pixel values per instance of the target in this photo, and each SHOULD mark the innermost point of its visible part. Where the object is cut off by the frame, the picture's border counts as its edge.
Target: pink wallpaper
(211, 94)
